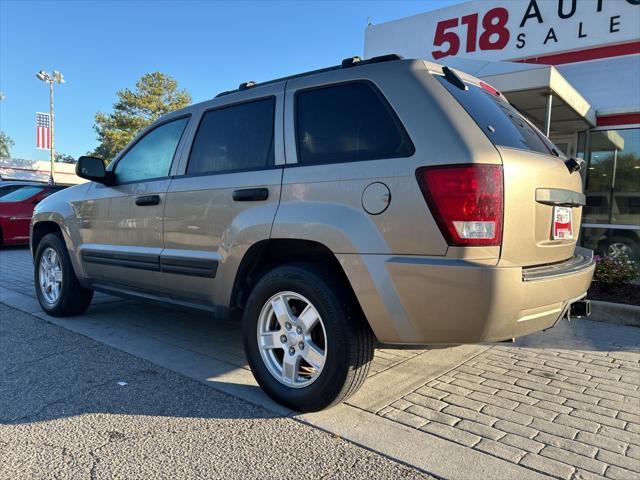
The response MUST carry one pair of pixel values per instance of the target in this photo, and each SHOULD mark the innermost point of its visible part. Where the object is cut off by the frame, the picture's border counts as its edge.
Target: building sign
(498, 30)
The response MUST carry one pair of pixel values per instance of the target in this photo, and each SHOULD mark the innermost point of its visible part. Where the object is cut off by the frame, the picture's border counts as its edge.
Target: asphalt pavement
(71, 407)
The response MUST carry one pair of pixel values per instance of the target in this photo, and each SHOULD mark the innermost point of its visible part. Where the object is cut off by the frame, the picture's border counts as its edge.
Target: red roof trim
(618, 119)
(586, 54)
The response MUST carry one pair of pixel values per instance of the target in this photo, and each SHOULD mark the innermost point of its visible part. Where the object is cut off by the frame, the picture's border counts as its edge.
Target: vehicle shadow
(48, 373)
(583, 335)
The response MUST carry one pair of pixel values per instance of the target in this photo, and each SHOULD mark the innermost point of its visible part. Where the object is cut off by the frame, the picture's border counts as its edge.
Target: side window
(239, 137)
(151, 156)
(347, 122)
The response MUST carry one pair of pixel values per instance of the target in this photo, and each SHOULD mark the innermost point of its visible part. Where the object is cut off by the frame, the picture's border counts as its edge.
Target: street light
(51, 78)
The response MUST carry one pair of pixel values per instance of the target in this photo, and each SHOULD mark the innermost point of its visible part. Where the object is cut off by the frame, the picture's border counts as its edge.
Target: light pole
(51, 78)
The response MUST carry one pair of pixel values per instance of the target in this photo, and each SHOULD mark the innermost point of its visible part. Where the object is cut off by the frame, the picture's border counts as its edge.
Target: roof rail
(245, 85)
(346, 63)
(357, 61)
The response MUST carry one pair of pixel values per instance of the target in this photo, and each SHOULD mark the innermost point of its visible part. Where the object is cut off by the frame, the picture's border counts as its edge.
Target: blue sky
(103, 46)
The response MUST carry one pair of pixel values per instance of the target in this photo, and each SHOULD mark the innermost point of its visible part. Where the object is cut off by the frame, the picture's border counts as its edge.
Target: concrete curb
(384, 388)
(617, 313)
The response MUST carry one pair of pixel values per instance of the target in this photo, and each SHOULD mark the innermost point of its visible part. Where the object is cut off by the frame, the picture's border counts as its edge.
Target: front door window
(152, 155)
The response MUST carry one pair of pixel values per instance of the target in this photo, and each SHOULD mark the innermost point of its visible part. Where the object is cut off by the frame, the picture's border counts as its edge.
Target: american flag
(43, 131)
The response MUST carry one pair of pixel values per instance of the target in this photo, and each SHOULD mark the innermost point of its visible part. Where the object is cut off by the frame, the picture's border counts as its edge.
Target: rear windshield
(21, 194)
(6, 189)
(499, 120)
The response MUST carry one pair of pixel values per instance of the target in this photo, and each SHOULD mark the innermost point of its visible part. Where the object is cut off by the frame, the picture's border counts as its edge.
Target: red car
(16, 209)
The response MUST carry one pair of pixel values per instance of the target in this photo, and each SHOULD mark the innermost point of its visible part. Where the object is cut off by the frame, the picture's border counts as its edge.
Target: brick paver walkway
(16, 269)
(570, 413)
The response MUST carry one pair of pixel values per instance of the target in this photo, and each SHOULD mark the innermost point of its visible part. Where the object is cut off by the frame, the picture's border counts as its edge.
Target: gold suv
(384, 201)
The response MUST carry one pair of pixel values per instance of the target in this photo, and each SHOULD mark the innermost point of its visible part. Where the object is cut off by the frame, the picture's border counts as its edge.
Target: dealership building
(572, 67)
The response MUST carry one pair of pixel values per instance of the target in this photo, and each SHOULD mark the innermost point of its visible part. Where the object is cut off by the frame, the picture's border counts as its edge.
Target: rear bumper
(425, 300)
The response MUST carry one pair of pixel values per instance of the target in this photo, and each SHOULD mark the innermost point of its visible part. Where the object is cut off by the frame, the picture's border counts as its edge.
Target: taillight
(490, 89)
(466, 202)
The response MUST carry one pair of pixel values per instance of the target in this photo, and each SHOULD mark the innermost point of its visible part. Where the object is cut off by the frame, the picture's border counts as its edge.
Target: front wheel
(305, 339)
(57, 288)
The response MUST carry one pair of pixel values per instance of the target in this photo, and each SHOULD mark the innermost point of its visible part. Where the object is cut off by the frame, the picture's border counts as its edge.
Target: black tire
(350, 342)
(74, 299)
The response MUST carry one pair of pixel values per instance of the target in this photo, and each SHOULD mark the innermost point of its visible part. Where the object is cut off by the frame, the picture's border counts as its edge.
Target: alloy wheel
(50, 275)
(292, 339)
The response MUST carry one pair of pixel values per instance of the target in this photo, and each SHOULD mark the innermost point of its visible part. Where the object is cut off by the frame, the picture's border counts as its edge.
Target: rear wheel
(57, 287)
(307, 343)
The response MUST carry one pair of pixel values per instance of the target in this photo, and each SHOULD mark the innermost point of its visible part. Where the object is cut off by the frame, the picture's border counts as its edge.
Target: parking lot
(563, 403)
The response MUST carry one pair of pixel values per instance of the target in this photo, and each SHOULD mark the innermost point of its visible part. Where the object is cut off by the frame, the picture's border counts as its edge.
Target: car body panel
(528, 216)
(15, 217)
(203, 221)
(111, 222)
(121, 240)
(324, 203)
(451, 301)
(63, 210)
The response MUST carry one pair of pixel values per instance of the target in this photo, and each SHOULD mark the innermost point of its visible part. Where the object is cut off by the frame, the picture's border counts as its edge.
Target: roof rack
(346, 63)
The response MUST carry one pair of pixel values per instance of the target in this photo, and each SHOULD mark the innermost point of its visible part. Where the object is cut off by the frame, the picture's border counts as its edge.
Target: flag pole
(50, 78)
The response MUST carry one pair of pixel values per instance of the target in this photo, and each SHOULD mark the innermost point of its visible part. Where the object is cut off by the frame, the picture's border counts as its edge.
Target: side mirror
(93, 169)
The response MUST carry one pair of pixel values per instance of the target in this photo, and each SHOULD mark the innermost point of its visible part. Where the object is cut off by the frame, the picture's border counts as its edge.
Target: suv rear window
(499, 120)
(347, 122)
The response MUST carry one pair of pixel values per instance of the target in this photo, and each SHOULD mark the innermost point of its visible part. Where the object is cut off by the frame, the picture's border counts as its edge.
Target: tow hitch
(581, 308)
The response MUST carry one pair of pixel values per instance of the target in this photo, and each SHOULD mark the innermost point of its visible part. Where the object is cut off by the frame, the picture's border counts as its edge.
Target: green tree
(154, 95)
(5, 145)
(64, 158)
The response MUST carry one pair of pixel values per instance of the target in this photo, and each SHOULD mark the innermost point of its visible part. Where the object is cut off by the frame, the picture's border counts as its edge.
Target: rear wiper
(453, 78)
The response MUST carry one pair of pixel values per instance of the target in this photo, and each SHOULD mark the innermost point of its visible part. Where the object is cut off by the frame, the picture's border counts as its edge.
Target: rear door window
(347, 122)
(499, 120)
(235, 138)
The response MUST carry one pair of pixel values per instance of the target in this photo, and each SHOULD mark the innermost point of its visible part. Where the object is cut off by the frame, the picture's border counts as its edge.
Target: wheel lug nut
(292, 350)
(301, 345)
(287, 326)
(299, 330)
(283, 339)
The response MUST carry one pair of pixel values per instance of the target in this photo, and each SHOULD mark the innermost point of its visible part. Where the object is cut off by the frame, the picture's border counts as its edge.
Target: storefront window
(612, 187)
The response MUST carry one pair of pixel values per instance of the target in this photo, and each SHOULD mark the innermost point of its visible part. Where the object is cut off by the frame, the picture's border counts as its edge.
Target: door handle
(148, 200)
(250, 194)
